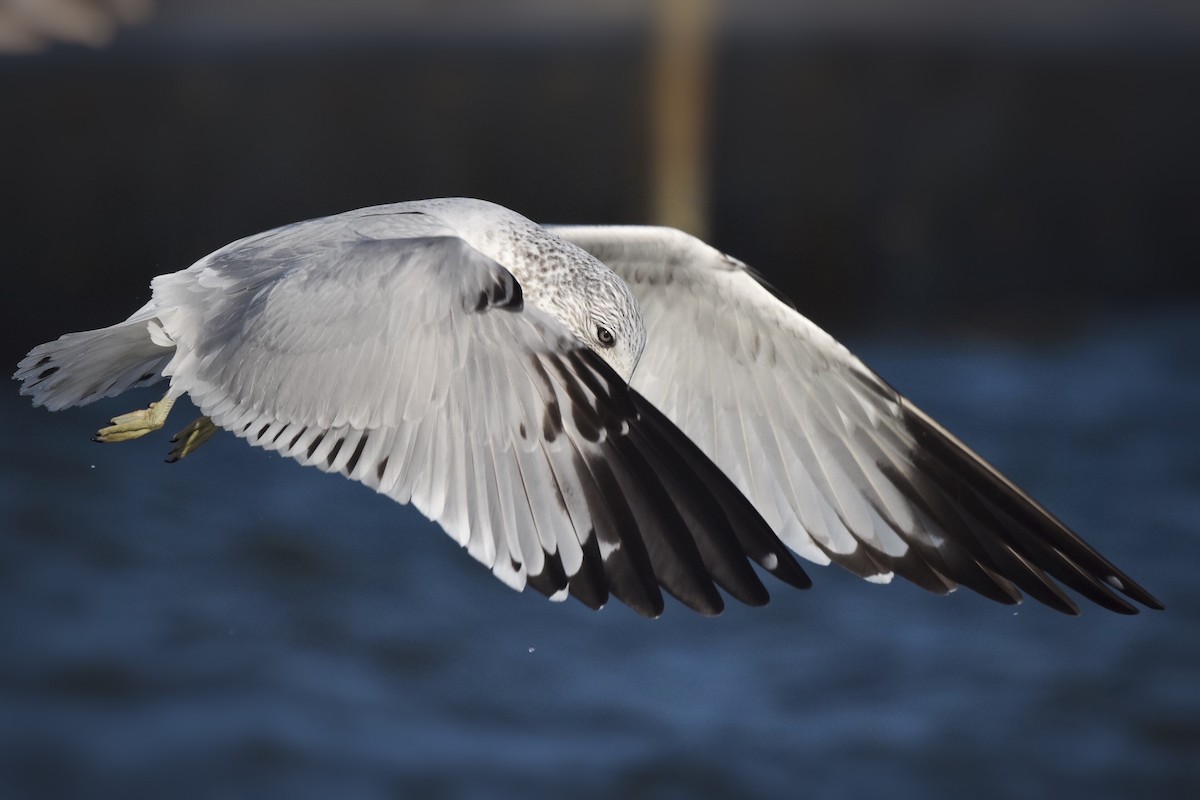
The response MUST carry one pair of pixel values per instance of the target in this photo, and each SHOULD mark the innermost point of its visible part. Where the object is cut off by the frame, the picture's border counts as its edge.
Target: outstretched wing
(387, 349)
(843, 467)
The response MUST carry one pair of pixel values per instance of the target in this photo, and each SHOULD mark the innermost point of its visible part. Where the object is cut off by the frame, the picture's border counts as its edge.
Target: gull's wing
(843, 467)
(387, 349)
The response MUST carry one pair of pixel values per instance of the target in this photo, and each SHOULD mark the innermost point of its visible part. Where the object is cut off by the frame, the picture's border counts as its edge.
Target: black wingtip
(1133, 591)
(754, 537)
(1011, 533)
(787, 570)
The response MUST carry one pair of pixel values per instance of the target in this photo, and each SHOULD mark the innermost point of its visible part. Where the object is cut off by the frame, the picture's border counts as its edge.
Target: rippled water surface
(237, 626)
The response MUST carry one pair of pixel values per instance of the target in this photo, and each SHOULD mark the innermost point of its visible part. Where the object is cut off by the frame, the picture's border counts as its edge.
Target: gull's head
(571, 285)
(614, 327)
(601, 311)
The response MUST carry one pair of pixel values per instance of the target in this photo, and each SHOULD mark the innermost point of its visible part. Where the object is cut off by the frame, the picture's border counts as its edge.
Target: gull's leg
(198, 431)
(136, 423)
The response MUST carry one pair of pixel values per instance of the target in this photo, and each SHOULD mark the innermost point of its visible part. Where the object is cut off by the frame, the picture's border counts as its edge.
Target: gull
(591, 411)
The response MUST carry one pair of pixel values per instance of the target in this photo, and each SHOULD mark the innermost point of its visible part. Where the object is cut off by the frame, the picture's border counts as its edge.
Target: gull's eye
(605, 336)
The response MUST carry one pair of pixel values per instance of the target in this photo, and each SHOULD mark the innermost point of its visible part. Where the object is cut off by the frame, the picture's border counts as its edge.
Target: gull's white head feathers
(559, 278)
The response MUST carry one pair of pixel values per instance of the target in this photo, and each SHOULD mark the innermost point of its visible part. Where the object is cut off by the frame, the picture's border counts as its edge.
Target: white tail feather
(79, 368)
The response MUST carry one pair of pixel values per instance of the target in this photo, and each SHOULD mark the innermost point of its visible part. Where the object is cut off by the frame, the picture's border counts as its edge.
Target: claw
(197, 432)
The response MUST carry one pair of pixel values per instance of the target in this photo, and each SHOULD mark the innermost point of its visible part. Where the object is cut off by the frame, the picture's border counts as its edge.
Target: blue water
(237, 626)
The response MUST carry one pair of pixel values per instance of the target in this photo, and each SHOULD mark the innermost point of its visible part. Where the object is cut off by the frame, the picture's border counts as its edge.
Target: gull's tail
(79, 368)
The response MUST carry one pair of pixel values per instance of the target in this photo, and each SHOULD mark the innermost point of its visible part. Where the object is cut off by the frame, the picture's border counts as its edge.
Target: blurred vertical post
(681, 65)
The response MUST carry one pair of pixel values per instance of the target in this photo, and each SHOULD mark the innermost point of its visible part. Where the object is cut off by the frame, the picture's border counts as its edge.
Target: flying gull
(589, 410)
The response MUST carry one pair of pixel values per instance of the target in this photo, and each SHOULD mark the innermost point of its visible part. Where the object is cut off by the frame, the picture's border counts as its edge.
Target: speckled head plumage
(561, 279)
(608, 320)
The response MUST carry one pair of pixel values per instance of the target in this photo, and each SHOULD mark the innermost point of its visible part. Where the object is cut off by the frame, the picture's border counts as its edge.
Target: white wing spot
(608, 548)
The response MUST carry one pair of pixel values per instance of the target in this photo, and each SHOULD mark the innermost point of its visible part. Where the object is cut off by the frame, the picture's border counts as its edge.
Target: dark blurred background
(892, 163)
(996, 203)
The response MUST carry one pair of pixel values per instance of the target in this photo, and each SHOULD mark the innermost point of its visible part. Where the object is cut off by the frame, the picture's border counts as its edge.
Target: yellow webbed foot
(197, 432)
(136, 423)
